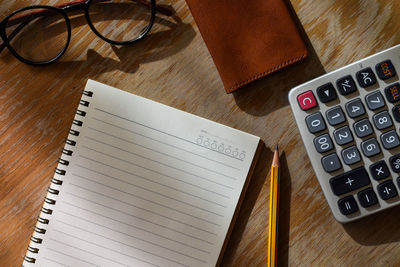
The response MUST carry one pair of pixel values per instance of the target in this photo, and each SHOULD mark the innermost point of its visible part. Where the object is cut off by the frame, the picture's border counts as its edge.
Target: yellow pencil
(273, 211)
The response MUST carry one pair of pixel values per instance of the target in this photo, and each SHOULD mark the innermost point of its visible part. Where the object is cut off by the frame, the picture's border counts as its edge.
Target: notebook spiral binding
(56, 182)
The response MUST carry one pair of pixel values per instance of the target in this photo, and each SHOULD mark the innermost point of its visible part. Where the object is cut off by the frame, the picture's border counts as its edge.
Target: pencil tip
(276, 148)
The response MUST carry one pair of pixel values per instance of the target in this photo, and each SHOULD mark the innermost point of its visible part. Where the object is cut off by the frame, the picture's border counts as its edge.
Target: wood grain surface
(172, 66)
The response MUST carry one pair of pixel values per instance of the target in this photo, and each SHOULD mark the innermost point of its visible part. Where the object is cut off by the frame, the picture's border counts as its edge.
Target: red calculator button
(307, 100)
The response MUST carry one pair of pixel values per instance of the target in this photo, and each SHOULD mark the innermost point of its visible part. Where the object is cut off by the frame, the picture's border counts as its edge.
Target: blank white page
(146, 185)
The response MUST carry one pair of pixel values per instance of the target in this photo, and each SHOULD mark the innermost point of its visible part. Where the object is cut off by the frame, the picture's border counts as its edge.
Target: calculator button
(379, 170)
(307, 100)
(315, 122)
(355, 108)
(326, 93)
(366, 77)
(363, 128)
(367, 197)
(390, 140)
(349, 181)
(346, 85)
(347, 205)
(331, 163)
(370, 147)
(387, 190)
(396, 112)
(382, 120)
(351, 155)
(385, 70)
(375, 100)
(395, 163)
(392, 93)
(343, 135)
(323, 143)
(335, 116)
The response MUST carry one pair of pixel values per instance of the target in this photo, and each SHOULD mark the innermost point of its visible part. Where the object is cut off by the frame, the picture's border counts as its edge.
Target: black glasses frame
(62, 10)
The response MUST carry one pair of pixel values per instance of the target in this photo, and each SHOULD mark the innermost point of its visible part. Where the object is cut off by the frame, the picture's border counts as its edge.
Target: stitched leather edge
(259, 75)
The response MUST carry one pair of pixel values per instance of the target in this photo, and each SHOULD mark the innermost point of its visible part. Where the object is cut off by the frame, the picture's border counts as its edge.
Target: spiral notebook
(141, 184)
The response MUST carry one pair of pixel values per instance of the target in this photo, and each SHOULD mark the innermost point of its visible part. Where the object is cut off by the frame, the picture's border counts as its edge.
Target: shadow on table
(270, 93)
(156, 46)
(376, 229)
(284, 212)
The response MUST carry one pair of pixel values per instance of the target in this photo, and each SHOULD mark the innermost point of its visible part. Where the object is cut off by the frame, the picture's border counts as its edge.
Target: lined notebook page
(146, 185)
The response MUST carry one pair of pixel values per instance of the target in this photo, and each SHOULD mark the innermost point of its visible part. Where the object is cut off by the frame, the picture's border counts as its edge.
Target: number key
(323, 143)
(343, 135)
(335, 116)
(390, 140)
(382, 120)
(355, 108)
(351, 155)
(315, 122)
(370, 147)
(363, 128)
(375, 100)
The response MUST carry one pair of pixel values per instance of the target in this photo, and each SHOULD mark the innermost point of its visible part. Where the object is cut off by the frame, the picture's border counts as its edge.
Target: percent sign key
(395, 163)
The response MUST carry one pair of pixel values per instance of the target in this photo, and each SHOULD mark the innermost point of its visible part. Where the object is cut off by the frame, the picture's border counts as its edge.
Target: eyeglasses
(40, 34)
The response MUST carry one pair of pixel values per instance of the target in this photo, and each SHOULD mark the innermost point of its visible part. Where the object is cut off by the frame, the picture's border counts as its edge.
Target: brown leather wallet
(247, 39)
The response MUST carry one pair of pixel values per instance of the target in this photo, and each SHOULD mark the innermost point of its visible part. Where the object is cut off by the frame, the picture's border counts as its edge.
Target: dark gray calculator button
(363, 128)
(382, 120)
(366, 77)
(347, 205)
(370, 147)
(379, 170)
(335, 116)
(323, 143)
(355, 108)
(385, 70)
(367, 197)
(392, 93)
(326, 93)
(349, 181)
(351, 155)
(343, 135)
(315, 122)
(346, 85)
(396, 112)
(331, 163)
(387, 190)
(395, 163)
(390, 140)
(375, 100)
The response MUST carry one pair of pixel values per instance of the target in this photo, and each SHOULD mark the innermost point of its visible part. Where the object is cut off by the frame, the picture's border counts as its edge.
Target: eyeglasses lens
(120, 20)
(37, 34)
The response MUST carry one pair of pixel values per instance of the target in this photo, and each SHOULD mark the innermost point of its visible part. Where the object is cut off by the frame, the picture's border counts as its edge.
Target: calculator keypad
(352, 135)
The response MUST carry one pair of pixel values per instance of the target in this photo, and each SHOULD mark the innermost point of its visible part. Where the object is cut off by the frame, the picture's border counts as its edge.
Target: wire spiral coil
(56, 182)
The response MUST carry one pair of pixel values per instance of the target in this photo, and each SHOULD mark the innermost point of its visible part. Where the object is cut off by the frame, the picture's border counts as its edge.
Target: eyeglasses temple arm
(71, 6)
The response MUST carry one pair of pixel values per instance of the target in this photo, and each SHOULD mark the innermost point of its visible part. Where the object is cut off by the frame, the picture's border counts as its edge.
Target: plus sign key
(349, 181)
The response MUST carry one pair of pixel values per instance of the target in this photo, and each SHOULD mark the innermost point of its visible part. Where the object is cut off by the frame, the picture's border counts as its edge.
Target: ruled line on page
(159, 152)
(160, 173)
(160, 131)
(159, 204)
(168, 197)
(136, 227)
(131, 246)
(72, 257)
(54, 261)
(139, 228)
(149, 180)
(132, 163)
(167, 144)
(89, 252)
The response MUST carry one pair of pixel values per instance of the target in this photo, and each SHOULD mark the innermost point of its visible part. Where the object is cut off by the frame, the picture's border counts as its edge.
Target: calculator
(349, 120)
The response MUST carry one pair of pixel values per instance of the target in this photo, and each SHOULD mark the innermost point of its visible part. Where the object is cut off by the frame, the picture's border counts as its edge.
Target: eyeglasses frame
(63, 9)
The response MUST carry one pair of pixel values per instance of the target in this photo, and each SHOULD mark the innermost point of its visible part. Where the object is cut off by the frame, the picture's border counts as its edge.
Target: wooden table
(173, 66)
